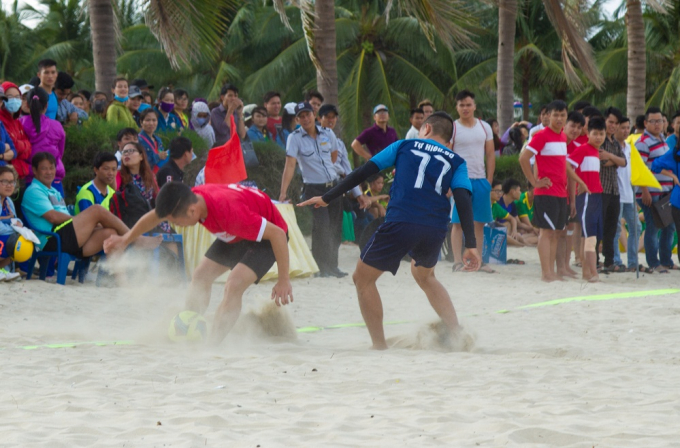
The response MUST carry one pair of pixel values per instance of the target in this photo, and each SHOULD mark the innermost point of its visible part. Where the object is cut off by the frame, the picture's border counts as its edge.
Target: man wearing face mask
(99, 103)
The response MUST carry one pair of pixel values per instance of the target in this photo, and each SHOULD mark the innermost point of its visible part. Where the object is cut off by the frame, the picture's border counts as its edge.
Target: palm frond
(406, 77)
(569, 25)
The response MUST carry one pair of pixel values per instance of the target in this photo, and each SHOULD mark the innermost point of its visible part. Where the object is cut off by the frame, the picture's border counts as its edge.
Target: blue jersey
(425, 170)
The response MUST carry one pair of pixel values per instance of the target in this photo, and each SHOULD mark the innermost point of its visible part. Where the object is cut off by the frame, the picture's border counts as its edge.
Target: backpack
(129, 205)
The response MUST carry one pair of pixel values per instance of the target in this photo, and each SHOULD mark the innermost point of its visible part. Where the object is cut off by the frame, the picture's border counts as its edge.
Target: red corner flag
(225, 163)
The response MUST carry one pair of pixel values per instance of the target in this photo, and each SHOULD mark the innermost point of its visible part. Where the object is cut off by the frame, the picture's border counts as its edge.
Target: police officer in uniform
(315, 148)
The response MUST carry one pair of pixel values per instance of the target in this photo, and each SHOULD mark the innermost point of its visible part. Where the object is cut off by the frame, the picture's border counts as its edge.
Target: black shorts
(393, 240)
(589, 212)
(550, 212)
(257, 256)
(69, 241)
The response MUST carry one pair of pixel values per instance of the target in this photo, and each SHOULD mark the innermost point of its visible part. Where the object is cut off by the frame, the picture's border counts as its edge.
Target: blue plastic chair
(169, 238)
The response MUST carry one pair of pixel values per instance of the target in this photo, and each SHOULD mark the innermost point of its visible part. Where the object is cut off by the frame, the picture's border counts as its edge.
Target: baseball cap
(301, 107)
(25, 88)
(141, 83)
(290, 108)
(328, 108)
(134, 91)
(379, 108)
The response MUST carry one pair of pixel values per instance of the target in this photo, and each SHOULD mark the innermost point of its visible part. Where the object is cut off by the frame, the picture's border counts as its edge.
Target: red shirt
(581, 139)
(586, 160)
(237, 213)
(271, 126)
(551, 161)
(571, 147)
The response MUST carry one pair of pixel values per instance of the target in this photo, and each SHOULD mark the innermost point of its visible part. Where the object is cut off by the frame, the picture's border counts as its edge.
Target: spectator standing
(182, 106)
(672, 140)
(117, 111)
(417, 118)
(220, 117)
(628, 206)
(66, 112)
(47, 73)
(259, 132)
(143, 85)
(9, 114)
(156, 155)
(377, 137)
(639, 129)
(98, 191)
(99, 102)
(316, 149)
(611, 158)
(543, 122)
(315, 99)
(651, 145)
(45, 135)
(134, 104)
(495, 129)
(167, 120)
(288, 121)
(181, 154)
(125, 136)
(200, 120)
(7, 149)
(272, 102)
(473, 141)
(427, 108)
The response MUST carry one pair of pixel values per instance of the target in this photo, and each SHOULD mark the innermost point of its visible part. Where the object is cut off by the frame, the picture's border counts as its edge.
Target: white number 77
(423, 166)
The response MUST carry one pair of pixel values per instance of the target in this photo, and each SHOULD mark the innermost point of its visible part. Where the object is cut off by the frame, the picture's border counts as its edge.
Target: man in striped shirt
(651, 145)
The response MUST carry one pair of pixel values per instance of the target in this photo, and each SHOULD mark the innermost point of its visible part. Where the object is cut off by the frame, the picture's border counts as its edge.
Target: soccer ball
(188, 326)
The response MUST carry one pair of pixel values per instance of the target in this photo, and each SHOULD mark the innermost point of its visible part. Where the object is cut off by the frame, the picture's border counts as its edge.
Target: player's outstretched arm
(352, 180)
(146, 223)
(282, 292)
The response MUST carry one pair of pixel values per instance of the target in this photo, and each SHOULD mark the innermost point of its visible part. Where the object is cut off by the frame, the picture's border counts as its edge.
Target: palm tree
(188, 31)
(448, 20)
(567, 20)
(16, 42)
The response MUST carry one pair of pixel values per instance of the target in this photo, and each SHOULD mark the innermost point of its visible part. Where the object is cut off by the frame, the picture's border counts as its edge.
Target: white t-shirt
(534, 130)
(469, 143)
(412, 133)
(624, 173)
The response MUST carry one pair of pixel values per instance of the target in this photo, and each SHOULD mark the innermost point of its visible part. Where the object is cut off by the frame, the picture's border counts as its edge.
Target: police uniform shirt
(314, 155)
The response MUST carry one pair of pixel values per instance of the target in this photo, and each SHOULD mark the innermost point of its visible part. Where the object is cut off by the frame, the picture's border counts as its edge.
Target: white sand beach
(599, 373)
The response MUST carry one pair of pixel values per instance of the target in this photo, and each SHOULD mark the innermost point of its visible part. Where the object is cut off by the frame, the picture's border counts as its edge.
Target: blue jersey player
(417, 219)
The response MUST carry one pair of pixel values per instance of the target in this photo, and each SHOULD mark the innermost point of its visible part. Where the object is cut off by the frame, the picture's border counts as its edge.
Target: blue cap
(380, 107)
(301, 107)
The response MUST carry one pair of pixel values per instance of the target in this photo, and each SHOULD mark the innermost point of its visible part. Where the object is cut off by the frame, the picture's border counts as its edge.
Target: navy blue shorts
(393, 240)
(589, 212)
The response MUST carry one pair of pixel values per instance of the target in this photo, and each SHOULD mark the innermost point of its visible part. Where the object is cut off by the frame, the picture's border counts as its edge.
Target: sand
(579, 374)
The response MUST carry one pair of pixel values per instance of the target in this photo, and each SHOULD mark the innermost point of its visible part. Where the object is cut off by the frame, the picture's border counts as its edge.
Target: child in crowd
(45, 134)
(378, 199)
(586, 160)
(125, 136)
(156, 155)
(502, 217)
(8, 183)
(98, 191)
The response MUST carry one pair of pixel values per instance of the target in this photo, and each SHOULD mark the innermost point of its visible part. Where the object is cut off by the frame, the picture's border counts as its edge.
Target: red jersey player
(550, 187)
(251, 236)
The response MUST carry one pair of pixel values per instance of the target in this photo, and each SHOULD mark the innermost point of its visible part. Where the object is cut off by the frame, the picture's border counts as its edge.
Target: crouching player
(416, 222)
(251, 236)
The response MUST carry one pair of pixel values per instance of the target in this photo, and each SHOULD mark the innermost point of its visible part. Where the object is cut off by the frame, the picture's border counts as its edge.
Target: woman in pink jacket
(45, 134)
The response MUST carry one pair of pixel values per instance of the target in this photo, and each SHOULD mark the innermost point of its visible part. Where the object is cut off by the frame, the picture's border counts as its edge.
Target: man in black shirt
(181, 154)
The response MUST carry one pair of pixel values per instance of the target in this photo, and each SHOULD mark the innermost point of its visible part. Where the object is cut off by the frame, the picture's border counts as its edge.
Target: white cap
(290, 108)
(24, 89)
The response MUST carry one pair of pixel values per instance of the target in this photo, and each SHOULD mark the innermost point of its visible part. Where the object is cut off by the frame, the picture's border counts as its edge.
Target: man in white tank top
(473, 140)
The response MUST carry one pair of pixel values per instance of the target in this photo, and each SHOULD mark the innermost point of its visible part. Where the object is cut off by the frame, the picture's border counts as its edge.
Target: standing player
(550, 188)
(251, 236)
(586, 160)
(416, 221)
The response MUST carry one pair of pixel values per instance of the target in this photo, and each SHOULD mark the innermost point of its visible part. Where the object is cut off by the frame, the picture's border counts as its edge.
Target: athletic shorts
(4, 252)
(69, 241)
(394, 240)
(481, 202)
(589, 211)
(257, 256)
(550, 212)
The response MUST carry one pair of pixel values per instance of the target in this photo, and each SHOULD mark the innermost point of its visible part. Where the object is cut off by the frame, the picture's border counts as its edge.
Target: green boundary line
(593, 298)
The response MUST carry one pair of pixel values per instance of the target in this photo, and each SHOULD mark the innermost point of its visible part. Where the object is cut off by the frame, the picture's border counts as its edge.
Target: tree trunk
(507, 17)
(324, 39)
(103, 43)
(637, 60)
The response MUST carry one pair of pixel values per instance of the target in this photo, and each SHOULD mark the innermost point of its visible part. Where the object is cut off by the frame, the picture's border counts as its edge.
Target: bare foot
(549, 278)
(379, 346)
(567, 273)
(594, 279)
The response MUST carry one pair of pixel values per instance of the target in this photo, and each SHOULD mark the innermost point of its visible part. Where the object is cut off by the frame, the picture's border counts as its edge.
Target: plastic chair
(63, 259)
(169, 238)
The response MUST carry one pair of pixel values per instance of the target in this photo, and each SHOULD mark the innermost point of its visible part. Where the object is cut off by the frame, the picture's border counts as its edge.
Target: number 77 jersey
(425, 171)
